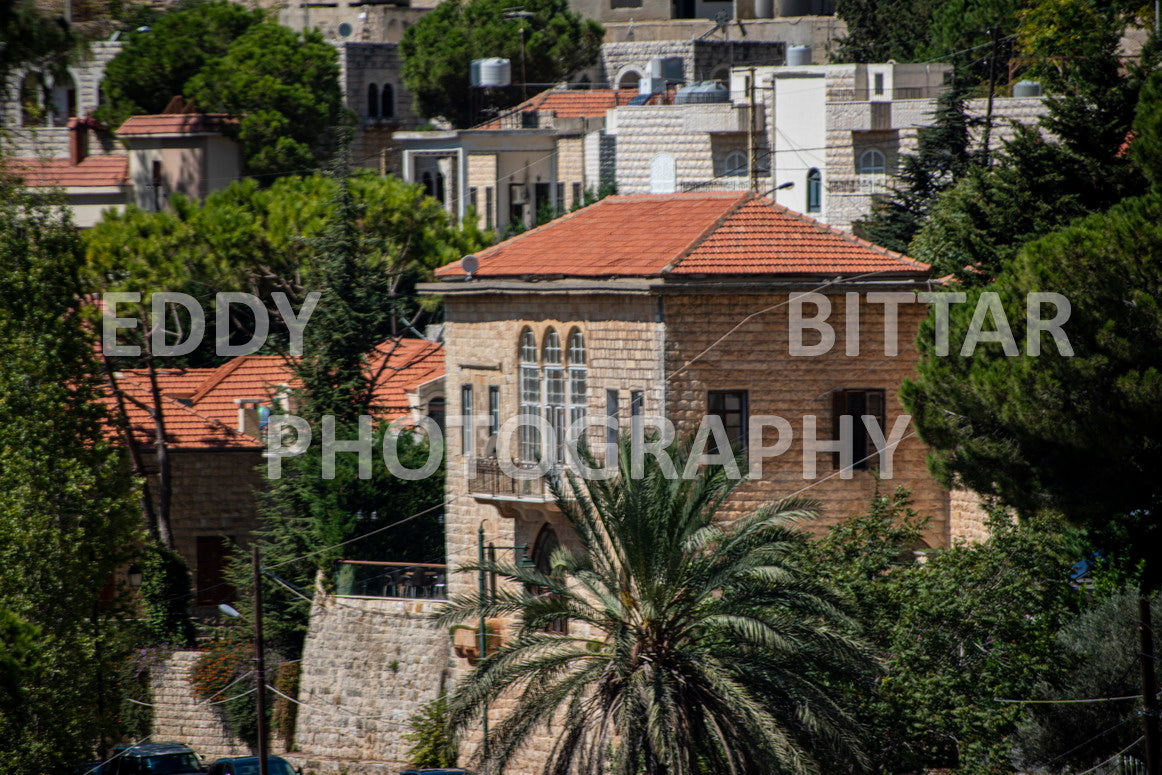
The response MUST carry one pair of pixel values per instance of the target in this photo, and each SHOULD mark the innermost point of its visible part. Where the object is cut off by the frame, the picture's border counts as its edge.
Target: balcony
(491, 481)
(404, 580)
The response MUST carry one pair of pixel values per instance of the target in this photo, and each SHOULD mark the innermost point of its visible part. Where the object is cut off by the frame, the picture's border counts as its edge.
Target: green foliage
(304, 515)
(439, 48)
(1039, 183)
(975, 627)
(430, 740)
(689, 647)
(1097, 656)
(28, 35)
(1073, 433)
(283, 86)
(219, 676)
(943, 156)
(879, 30)
(165, 596)
(260, 240)
(154, 66)
(19, 654)
(284, 714)
(67, 510)
(1146, 148)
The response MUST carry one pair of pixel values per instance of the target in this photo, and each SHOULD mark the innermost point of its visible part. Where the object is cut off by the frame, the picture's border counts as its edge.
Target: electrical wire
(345, 714)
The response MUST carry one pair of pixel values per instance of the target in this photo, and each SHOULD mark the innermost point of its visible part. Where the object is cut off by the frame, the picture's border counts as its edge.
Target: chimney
(78, 140)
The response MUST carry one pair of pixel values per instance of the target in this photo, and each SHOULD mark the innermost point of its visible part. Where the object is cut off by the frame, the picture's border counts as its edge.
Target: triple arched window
(553, 384)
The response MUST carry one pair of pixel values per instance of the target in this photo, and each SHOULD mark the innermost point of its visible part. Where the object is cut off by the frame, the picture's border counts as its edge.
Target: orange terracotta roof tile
(185, 427)
(175, 383)
(175, 124)
(568, 103)
(651, 235)
(92, 171)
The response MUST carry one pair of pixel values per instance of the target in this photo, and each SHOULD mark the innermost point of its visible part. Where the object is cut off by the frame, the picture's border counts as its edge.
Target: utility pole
(259, 662)
(481, 634)
(988, 121)
(752, 170)
(1150, 713)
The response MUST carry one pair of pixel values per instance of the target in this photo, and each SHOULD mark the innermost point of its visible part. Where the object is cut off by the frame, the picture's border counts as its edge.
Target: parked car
(156, 759)
(248, 765)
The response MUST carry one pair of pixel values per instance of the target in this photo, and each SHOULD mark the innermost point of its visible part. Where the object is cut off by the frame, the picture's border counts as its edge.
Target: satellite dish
(344, 30)
(469, 264)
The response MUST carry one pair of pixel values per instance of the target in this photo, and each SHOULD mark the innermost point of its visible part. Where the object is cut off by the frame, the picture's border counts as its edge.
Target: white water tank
(1027, 89)
(764, 9)
(490, 73)
(799, 55)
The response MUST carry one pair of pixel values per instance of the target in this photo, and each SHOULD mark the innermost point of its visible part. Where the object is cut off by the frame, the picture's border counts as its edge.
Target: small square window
(731, 407)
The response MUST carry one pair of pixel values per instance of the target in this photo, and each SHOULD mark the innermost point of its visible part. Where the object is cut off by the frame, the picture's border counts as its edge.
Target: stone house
(215, 421)
(678, 306)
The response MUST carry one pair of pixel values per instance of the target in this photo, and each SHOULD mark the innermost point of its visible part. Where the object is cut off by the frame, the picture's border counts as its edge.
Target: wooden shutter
(210, 575)
(838, 409)
(875, 407)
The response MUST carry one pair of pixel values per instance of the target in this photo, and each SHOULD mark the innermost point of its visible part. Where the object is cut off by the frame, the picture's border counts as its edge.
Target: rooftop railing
(407, 580)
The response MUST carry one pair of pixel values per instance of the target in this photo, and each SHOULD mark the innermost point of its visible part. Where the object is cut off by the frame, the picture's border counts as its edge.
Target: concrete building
(546, 152)
(837, 131)
(179, 153)
(826, 139)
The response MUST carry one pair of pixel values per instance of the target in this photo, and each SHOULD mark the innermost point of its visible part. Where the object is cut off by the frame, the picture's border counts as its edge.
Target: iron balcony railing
(408, 580)
(490, 479)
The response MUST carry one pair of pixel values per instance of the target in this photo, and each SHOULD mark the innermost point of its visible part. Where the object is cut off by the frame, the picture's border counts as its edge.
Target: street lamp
(518, 13)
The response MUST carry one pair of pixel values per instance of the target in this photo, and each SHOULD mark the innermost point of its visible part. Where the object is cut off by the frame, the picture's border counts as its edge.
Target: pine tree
(68, 517)
(943, 155)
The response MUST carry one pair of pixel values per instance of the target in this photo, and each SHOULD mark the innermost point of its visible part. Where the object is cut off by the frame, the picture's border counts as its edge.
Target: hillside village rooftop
(680, 237)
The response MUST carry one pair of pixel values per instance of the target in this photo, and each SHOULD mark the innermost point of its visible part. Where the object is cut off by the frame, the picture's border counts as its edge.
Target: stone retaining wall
(369, 664)
(179, 717)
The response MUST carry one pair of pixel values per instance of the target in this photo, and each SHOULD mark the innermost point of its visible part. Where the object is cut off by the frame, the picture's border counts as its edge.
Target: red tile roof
(569, 103)
(175, 124)
(92, 171)
(650, 235)
(186, 428)
(207, 415)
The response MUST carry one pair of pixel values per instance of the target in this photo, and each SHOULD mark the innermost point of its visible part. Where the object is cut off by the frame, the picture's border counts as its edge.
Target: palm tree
(691, 647)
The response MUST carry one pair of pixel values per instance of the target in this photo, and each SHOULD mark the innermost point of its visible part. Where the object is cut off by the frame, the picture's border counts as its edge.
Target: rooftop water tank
(1027, 89)
(491, 72)
(667, 68)
(702, 93)
(799, 55)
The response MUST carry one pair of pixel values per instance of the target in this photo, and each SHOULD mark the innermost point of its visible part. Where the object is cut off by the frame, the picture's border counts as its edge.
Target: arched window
(578, 377)
(814, 190)
(530, 396)
(388, 101)
(872, 172)
(555, 388)
(543, 548)
(64, 99)
(542, 556)
(663, 174)
(629, 80)
(31, 100)
(735, 164)
(372, 101)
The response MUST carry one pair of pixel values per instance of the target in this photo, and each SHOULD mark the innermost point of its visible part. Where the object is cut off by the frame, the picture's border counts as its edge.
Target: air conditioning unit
(518, 194)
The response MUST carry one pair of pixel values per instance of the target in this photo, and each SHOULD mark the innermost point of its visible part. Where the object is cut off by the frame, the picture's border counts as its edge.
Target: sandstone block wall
(755, 358)
(369, 664)
(179, 717)
(966, 517)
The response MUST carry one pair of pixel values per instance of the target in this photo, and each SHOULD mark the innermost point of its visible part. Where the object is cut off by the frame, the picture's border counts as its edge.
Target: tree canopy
(439, 48)
(282, 85)
(1075, 432)
(67, 513)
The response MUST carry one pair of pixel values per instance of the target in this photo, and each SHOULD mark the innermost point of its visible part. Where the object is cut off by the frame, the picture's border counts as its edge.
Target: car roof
(155, 749)
(247, 759)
